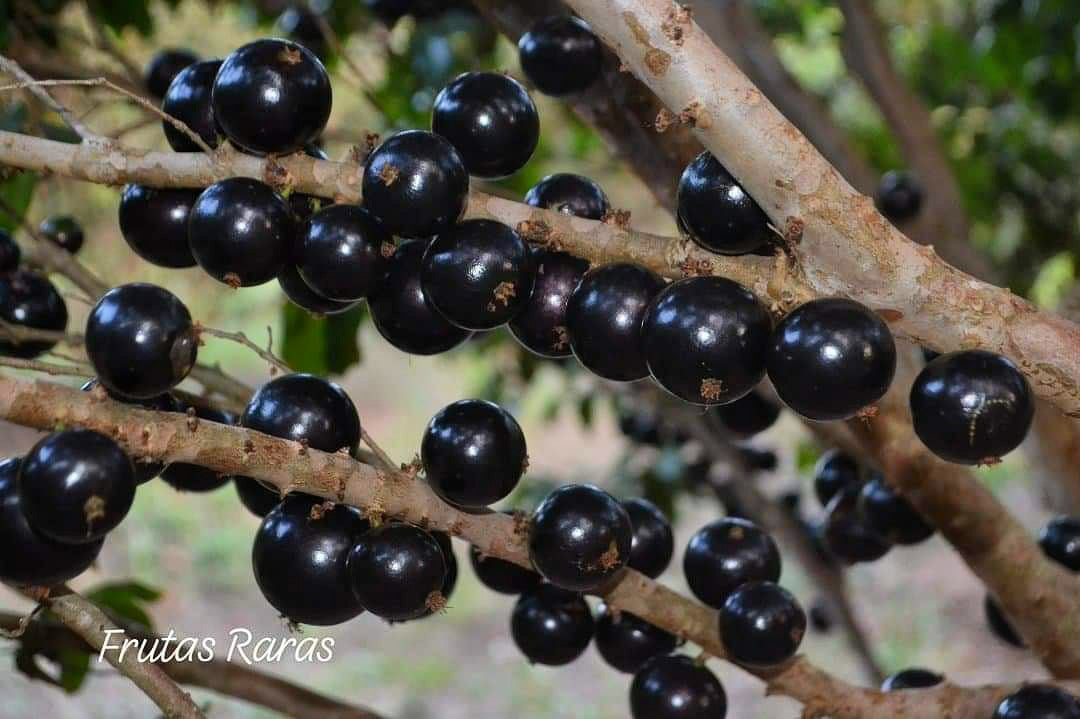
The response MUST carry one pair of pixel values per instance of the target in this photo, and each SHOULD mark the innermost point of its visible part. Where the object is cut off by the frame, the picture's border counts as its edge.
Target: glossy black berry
(830, 358)
(604, 317)
(899, 196)
(300, 555)
(258, 498)
(551, 626)
(626, 642)
(473, 453)
(717, 213)
(339, 252)
(502, 576)
(891, 515)
(397, 571)
(580, 537)
(705, 339)
(30, 300)
(848, 534)
(63, 230)
(298, 292)
(416, 183)
(192, 477)
(1038, 701)
(145, 469)
(76, 486)
(401, 312)
(1060, 540)
(141, 340)
(490, 119)
(726, 554)
(746, 416)
(188, 100)
(305, 408)
(164, 66)
(999, 625)
(911, 679)
(540, 326)
(836, 472)
(241, 232)
(972, 406)
(10, 254)
(26, 556)
(154, 222)
(478, 274)
(561, 55)
(674, 686)
(653, 543)
(272, 96)
(761, 624)
(569, 194)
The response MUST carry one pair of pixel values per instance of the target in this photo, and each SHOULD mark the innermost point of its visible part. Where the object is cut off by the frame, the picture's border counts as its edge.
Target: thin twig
(72, 370)
(242, 339)
(105, 82)
(13, 68)
(90, 623)
(381, 457)
(110, 48)
(16, 629)
(362, 82)
(219, 675)
(55, 258)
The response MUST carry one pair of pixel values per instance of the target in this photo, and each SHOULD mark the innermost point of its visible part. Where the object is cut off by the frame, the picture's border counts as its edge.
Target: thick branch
(618, 106)
(1039, 596)
(942, 221)
(90, 623)
(733, 26)
(218, 675)
(927, 300)
(847, 248)
(291, 467)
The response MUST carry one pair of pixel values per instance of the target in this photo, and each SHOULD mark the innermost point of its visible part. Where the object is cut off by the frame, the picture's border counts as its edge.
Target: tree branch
(943, 221)
(735, 29)
(927, 300)
(842, 245)
(827, 578)
(90, 623)
(1040, 597)
(618, 106)
(291, 467)
(12, 68)
(218, 675)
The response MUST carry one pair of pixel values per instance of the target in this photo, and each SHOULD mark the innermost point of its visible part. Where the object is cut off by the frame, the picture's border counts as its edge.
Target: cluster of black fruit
(27, 297)
(707, 340)
(57, 504)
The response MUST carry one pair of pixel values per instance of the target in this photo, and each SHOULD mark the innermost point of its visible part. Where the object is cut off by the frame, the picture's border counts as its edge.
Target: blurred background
(997, 82)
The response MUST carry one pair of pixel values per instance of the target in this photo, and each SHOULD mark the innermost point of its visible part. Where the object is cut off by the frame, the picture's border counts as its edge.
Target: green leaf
(126, 600)
(74, 667)
(321, 345)
(120, 14)
(17, 191)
